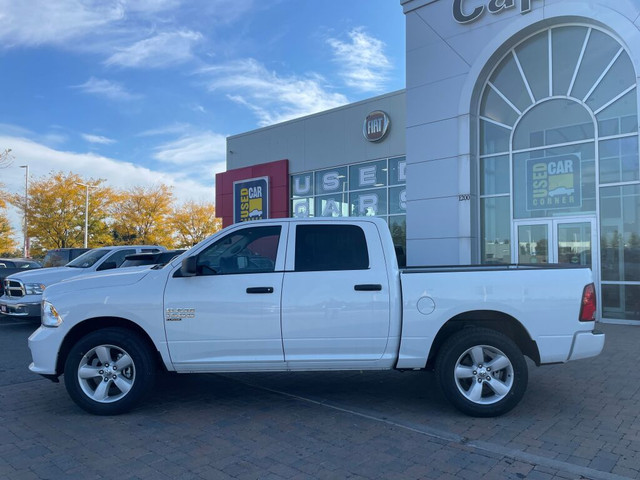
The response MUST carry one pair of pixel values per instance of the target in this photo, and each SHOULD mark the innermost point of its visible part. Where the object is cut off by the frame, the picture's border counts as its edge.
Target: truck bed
(488, 268)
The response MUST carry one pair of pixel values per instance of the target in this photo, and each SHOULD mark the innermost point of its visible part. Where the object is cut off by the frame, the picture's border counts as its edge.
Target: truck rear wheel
(108, 371)
(482, 372)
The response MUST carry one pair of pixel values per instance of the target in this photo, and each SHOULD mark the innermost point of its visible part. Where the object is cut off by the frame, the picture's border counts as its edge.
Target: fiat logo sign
(375, 126)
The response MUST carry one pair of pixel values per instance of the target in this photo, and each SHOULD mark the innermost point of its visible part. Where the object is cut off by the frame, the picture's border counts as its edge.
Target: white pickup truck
(318, 294)
(22, 296)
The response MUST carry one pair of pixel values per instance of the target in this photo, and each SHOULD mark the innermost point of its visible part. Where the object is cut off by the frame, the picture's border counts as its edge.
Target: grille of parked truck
(9, 266)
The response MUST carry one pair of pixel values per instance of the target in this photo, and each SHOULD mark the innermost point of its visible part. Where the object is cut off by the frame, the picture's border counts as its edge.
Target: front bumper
(44, 344)
(19, 307)
(587, 344)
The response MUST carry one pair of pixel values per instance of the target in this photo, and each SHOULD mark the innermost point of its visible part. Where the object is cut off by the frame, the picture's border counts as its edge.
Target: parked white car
(23, 291)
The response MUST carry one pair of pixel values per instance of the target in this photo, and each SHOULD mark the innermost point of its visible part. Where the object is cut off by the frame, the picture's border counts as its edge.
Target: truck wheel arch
(91, 325)
(494, 320)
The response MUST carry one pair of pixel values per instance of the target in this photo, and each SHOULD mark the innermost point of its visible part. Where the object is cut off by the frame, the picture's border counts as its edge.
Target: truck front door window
(250, 250)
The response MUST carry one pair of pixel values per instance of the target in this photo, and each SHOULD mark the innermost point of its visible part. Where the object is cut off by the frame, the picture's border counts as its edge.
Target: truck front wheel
(482, 372)
(108, 371)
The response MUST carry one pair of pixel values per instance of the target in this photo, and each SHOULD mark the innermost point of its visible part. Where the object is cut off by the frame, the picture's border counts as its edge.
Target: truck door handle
(260, 290)
(368, 287)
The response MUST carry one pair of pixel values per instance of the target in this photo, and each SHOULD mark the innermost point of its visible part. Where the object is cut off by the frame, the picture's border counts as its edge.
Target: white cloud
(151, 5)
(42, 160)
(204, 147)
(108, 27)
(364, 66)
(37, 22)
(273, 98)
(195, 155)
(97, 139)
(106, 88)
(161, 50)
(54, 137)
(228, 11)
(174, 129)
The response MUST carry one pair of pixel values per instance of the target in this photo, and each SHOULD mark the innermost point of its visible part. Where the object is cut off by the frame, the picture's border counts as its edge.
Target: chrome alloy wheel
(106, 373)
(484, 374)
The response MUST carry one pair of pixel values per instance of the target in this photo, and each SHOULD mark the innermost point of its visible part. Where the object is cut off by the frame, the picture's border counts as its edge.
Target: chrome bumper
(19, 309)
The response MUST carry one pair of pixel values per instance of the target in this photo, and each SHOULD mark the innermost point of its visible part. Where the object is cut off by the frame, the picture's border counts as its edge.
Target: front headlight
(50, 316)
(34, 288)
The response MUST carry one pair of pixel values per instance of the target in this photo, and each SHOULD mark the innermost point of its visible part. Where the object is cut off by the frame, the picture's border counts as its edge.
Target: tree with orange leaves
(193, 222)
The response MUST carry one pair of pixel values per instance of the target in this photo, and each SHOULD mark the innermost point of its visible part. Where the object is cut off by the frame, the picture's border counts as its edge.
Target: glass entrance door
(563, 241)
(533, 243)
(574, 245)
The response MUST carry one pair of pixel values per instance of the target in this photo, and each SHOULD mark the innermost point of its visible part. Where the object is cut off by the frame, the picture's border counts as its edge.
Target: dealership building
(515, 141)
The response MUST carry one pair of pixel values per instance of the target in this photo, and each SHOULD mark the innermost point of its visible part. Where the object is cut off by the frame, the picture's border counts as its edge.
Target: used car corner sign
(251, 199)
(376, 126)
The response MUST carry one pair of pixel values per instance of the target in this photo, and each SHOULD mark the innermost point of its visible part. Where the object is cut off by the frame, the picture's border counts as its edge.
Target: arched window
(558, 139)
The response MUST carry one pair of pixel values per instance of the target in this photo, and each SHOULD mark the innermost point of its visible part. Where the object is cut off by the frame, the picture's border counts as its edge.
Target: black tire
(465, 374)
(108, 371)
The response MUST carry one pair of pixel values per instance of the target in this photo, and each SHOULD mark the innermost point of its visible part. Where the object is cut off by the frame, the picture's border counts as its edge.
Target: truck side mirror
(189, 266)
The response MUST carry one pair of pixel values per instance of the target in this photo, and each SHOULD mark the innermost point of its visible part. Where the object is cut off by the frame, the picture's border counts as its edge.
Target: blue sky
(144, 91)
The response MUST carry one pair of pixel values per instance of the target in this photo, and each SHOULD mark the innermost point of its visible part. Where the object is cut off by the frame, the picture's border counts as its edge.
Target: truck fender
(494, 320)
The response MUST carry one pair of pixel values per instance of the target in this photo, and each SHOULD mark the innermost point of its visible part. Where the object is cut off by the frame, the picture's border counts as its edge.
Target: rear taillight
(588, 308)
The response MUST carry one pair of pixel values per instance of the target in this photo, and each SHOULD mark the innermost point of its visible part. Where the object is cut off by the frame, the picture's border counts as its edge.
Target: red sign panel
(277, 181)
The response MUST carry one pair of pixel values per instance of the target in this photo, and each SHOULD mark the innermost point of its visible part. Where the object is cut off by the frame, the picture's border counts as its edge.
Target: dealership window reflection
(558, 120)
(375, 188)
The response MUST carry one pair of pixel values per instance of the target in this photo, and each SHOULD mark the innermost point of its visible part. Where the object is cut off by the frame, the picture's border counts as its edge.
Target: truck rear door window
(330, 247)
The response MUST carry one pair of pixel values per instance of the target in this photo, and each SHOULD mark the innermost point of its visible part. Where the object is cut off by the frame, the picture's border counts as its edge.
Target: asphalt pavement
(579, 420)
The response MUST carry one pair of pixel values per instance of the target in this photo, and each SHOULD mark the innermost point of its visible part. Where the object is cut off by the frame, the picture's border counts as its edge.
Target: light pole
(86, 211)
(26, 206)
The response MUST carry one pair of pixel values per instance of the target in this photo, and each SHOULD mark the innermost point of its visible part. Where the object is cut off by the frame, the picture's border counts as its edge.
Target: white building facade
(522, 126)
(515, 141)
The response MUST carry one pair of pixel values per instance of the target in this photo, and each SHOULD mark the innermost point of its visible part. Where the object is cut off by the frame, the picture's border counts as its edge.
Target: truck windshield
(54, 259)
(88, 259)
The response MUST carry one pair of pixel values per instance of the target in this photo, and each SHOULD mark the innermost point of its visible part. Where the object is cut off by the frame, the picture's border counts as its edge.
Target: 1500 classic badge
(177, 314)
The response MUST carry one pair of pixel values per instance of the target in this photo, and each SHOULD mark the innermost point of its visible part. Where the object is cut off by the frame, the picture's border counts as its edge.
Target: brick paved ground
(579, 420)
